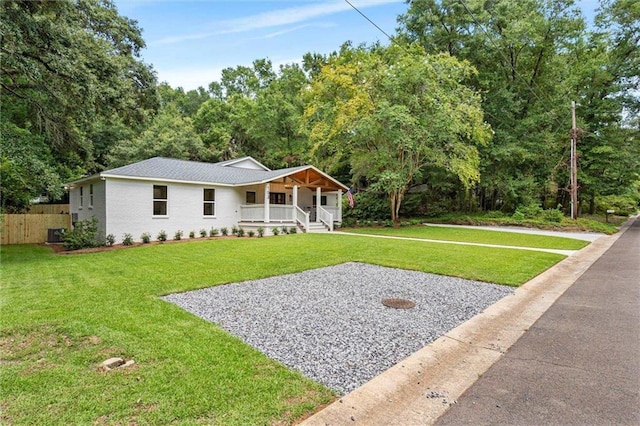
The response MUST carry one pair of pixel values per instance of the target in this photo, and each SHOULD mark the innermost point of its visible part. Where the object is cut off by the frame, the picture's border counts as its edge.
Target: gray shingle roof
(192, 171)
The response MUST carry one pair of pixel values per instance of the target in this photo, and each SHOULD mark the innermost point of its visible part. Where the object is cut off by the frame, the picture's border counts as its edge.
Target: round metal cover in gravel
(394, 302)
(329, 324)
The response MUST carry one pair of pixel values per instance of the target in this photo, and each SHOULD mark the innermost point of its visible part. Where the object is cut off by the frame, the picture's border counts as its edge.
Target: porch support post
(267, 189)
(339, 218)
(295, 195)
(318, 202)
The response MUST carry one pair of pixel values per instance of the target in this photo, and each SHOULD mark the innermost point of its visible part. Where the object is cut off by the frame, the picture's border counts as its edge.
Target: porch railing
(302, 217)
(252, 213)
(334, 212)
(326, 218)
(282, 213)
(277, 213)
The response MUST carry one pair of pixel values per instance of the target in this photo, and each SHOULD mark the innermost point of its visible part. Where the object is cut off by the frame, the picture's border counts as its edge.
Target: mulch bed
(59, 248)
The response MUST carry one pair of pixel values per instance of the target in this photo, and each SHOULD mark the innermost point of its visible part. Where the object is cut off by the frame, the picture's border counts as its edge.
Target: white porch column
(267, 189)
(318, 202)
(295, 195)
(339, 218)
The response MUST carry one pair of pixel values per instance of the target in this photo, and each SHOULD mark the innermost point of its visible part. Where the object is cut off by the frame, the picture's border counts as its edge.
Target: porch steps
(316, 228)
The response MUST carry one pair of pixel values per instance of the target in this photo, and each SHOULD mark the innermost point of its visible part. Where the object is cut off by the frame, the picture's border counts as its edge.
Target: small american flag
(350, 198)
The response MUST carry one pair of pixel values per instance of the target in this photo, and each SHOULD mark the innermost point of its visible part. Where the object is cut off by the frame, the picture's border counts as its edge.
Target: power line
(367, 18)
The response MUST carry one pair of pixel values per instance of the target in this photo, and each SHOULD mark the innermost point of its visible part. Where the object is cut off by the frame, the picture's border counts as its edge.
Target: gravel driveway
(330, 324)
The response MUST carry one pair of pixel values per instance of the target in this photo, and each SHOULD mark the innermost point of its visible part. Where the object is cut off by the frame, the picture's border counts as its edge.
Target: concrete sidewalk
(579, 363)
(600, 328)
(460, 243)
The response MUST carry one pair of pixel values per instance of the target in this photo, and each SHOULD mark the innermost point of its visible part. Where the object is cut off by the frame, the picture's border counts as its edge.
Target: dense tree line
(470, 103)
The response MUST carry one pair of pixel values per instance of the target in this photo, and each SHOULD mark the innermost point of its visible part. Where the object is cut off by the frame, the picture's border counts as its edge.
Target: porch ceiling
(311, 178)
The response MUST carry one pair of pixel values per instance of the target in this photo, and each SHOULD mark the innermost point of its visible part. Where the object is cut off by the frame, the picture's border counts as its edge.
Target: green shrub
(145, 237)
(275, 231)
(348, 222)
(388, 223)
(251, 233)
(162, 236)
(240, 232)
(530, 211)
(178, 235)
(213, 232)
(260, 232)
(552, 215)
(234, 230)
(623, 205)
(369, 205)
(203, 233)
(127, 239)
(84, 234)
(192, 234)
(224, 231)
(293, 230)
(518, 216)
(494, 214)
(285, 230)
(110, 240)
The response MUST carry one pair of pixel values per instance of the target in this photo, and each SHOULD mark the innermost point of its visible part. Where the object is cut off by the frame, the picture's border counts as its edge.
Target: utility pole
(574, 163)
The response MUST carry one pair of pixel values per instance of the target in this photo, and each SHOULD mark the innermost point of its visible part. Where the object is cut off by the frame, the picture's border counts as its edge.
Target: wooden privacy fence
(30, 228)
(49, 209)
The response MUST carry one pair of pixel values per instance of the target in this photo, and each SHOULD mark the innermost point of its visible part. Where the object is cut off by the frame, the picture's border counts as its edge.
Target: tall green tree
(522, 51)
(609, 86)
(170, 135)
(255, 111)
(392, 112)
(68, 68)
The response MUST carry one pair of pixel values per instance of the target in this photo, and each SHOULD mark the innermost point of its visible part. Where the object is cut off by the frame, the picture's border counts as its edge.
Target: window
(323, 200)
(277, 198)
(251, 197)
(81, 196)
(91, 195)
(159, 200)
(209, 202)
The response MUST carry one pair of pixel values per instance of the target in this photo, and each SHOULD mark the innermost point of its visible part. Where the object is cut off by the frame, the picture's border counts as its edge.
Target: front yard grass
(62, 315)
(476, 236)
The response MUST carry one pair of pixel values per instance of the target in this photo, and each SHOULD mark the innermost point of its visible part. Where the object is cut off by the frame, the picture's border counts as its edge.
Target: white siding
(98, 209)
(247, 163)
(130, 208)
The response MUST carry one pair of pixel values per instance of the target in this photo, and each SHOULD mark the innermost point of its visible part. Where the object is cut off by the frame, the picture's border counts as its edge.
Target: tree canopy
(470, 103)
(67, 67)
(391, 112)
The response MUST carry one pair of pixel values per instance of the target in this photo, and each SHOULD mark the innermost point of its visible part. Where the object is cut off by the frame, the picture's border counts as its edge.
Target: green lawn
(475, 236)
(61, 315)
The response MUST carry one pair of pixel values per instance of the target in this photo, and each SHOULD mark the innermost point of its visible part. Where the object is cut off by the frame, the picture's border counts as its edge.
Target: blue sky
(190, 42)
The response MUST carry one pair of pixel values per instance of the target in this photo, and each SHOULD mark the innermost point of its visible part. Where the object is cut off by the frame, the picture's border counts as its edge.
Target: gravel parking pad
(330, 323)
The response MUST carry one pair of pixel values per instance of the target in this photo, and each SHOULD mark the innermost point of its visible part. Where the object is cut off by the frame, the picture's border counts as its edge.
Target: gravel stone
(330, 323)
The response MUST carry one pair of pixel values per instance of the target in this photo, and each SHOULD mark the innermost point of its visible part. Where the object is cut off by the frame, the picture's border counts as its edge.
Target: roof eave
(160, 179)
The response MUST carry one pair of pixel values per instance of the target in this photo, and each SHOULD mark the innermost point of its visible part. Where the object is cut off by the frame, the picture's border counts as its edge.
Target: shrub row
(85, 234)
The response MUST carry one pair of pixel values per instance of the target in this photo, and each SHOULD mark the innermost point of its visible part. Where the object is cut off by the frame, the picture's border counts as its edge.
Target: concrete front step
(317, 228)
(314, 227)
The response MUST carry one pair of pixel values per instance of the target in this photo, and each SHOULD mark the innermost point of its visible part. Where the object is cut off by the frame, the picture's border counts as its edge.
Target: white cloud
(296, 28)
(294, 15)
(276, 18)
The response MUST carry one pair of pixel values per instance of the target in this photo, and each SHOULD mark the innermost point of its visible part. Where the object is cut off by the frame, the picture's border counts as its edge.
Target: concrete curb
(423, 386)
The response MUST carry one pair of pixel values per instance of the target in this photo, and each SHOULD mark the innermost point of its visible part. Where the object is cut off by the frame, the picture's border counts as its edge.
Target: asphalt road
(579, 364)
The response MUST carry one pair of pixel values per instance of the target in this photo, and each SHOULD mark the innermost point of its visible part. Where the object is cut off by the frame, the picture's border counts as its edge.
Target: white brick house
(176, 195)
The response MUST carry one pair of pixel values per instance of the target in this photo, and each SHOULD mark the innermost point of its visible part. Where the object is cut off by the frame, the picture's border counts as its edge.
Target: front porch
(312, 220)
(306, 199)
